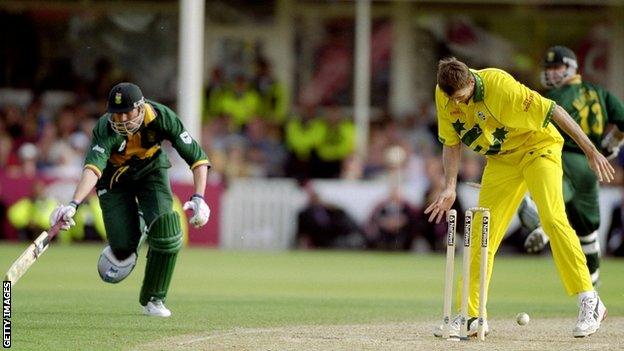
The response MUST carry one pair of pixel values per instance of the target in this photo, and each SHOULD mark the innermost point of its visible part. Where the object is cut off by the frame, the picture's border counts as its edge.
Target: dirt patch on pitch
(545, 334)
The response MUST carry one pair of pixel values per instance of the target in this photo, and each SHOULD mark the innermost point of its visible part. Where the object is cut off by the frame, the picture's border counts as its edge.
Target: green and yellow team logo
(551, 56)
(118, 98)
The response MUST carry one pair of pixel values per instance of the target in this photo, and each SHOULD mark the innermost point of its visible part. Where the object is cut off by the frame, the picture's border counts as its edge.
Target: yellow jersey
(503, 116)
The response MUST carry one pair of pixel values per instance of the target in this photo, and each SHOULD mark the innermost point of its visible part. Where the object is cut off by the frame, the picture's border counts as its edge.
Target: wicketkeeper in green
(128, 168)
(593, 108)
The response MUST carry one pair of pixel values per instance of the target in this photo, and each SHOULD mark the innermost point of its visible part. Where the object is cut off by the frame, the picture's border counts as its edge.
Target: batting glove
(65, 215)
(201, 211)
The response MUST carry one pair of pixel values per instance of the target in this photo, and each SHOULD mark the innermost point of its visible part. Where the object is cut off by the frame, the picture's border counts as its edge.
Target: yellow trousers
(505, 180)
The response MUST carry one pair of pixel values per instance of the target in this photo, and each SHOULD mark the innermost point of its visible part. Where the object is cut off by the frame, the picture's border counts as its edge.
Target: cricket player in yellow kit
(494, 115)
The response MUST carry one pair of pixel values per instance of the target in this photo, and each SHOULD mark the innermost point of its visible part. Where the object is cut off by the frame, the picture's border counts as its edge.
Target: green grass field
(61, 304)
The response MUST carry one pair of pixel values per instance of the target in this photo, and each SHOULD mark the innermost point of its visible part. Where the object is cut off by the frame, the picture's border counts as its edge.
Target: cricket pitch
(541, 334)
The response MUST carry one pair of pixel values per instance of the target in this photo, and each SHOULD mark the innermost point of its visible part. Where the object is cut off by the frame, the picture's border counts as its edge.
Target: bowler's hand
(65, 215)
(442, 204)
(201, 211)
(601, 166)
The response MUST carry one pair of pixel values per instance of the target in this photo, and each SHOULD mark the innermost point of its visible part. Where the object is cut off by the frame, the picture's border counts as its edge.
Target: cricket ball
(522, 318)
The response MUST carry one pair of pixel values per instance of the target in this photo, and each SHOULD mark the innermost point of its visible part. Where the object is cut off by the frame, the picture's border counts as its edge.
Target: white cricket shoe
(591, 313)
(156, 307)
(536, 241)
(473, 327)
(453, 328)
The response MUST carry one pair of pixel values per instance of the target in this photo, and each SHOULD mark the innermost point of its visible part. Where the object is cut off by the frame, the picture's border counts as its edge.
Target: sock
(586, 294)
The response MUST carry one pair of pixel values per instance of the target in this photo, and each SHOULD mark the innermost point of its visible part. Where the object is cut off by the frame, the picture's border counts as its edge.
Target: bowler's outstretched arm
(451, 155)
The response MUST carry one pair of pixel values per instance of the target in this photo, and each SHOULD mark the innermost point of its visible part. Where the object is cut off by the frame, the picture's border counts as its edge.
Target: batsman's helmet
(113, 270)
(124, 97)
(556, 56)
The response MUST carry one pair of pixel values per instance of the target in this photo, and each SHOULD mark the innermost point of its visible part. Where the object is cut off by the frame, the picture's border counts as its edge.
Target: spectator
(337, 144)
(6, 143)
(235, 163)
(302, 135)
(392, 223)
(435, 233)
(65, 154)
(47, 138)
(273, 99)
(28, 155)
(240, 103)
(321, 225)
(214, 94)
(13, 117)
(264, 151)
(375, 164)
(418, 129)
(29, 215)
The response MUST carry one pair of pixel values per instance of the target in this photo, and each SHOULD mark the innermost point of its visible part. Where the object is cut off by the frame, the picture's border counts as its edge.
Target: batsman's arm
(87, 182)
(200, 174)
(598, 162)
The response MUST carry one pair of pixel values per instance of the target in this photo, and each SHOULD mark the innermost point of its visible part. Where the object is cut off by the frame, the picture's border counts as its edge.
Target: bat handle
(56, 228)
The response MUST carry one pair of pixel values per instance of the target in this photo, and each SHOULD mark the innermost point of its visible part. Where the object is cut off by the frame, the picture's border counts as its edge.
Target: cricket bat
(31, 254)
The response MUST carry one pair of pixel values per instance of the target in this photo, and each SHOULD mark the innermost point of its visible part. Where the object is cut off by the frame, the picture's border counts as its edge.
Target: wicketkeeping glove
(65, 215)
(201, 211)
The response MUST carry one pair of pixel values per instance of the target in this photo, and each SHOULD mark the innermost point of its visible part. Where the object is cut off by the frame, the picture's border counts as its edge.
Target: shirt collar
(150, 114)
(479, 92)
(576, 79)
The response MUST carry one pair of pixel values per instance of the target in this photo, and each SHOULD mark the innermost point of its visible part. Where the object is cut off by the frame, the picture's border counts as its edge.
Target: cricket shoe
(156, 307)
(455, 325)
(592, 312)
(536, 241)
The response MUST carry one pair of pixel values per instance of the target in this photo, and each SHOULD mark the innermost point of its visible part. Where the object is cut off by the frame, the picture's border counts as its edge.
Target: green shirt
(591, 106)
(116, 158)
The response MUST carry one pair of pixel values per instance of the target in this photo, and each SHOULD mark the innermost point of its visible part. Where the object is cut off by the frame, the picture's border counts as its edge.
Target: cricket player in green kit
(593, 108)
(128, 168)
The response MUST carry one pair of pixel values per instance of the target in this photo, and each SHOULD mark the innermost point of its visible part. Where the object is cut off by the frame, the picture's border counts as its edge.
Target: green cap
(124, 97)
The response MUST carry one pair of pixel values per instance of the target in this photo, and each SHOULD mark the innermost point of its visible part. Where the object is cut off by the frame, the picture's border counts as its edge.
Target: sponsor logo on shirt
(527, 102)
(150, 136)
(122, 146)
(186, 138)
(98, 148)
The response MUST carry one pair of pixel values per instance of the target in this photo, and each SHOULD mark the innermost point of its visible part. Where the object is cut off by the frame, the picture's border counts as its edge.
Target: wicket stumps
(450, 267)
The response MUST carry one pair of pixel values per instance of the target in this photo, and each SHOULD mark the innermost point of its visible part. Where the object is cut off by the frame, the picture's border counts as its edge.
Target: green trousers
(580, 193)
(127, 204)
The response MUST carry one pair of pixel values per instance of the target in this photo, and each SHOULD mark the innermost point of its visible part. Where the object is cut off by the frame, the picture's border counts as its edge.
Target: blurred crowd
(249, 129)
